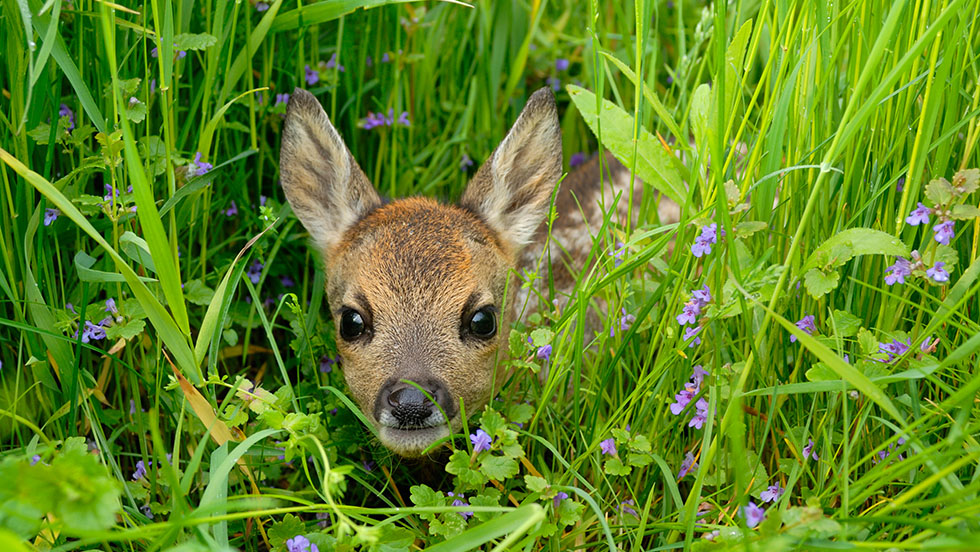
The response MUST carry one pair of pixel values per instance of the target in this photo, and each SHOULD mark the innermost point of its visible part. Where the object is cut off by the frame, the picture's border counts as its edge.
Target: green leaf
(867, 341)
(487, 497)
(321, 12)
(615, 466)
(542, 336)
(515, 523)
(492, 422)
(199, 41)
(535, 484)
(198, 293)
(499, 467)
(819, 283)
(746, 229)
(701, 114)
(281, 531)
(653, 163)
(843, 246)
(965, 212)
(939, 191)
(570, 512)
(845, 323)
(966, 181)
(135, 111)
(126, 331)
(459, 465)
(520, 413)
(638, 459)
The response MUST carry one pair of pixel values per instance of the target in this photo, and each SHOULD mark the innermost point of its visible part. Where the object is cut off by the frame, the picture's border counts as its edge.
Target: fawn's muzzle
(402, 405)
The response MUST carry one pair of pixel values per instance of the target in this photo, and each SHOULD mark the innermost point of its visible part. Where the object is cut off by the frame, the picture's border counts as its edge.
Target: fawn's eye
(352, 325)
(483, 323)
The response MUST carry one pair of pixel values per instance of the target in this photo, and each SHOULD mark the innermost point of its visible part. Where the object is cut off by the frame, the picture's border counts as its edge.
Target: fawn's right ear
(326, 188)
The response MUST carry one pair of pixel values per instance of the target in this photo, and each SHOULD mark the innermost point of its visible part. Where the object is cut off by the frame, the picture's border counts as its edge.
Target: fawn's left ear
(511, 191)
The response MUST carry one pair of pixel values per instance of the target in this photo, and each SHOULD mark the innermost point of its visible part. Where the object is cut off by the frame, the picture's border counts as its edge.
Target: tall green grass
(807, 132)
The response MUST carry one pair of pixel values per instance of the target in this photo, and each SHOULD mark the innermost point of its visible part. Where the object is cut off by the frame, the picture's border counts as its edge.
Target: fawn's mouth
(411, 442)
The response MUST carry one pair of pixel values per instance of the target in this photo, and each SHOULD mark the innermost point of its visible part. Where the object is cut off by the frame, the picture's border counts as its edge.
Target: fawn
(417, 288)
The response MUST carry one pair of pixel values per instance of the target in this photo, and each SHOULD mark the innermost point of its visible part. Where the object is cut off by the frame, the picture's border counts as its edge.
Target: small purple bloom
(481, 440)
(332, 62)
(261, 6)
(554, 83)
(255, 272)
(110, 306)
(465, 163)
(147, 511)
(702, 296)
(700, 414)
(899, 271)
(35, 459)
(544, 352)
(687, 466)
(282, 98)
(626, 320)
(690, 313)
(231, 211)
(698, 374)
(312, 77)
(299, 543)
(618, 253)
(808, 451)
(92, 332)
(403, 119)
(894, 349)
(324, 520)
(937, 273)
(368, 465)
(458, 501)
(558, 498)
(805, 324)
(385, 58)
(753, 514)
(65, 111)
(944, 232)
(608, 446)
(681, 400)
(327, 363)
(50, 215)
(199, 167)
(704, 241)
(919, 216)
(626, 507)
(561, 64)
(140, 470)
(286, 281)
(576, 159)
(772, 493)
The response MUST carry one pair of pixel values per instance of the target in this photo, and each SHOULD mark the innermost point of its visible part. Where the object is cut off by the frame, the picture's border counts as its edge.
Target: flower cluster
(692, 310)
(465, 163)
(772, 493)
(198, 167)
(687, 466)
(806, 324)
(808, 451)
(96, 331)
(374, 120)
(65, 111)
(706, 238)
(625, 322)
(577, 159)
(881, 455)
(942, 232)
(458, 501)
(255, 271)
(896, 273)
(299, 543)
(897, 348)
(481, 440)
(691, 390)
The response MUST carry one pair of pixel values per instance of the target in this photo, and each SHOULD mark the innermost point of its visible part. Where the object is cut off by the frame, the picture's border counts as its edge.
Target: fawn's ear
(324, 185)
(512, 190)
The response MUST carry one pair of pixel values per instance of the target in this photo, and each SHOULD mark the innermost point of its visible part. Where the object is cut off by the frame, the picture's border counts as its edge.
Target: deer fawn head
(417, 288)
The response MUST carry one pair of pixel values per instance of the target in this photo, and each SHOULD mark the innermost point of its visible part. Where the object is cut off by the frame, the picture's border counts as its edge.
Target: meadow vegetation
(793, 365)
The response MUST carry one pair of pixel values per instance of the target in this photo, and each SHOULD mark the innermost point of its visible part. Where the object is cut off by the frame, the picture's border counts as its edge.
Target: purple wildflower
(481, 440)
(944, 232)
(544, 352)
(140, 470)
(894, 349)
(753, 514)
(576, 159)
(368, 465)
(65, 111)
(687, 466)
(772, 493)
(403, 119)
(198, 167)
(458, 501)
(327, 363)
(690, 332)
(332, 62)
(282, 98)
(704, 241)
(920, 215)
(385, 58)
(808, 451)
(690, 313)
(899, 271)
(626, 507)
(261, 6)
(937, 273)
(700, 415)
(805, 324)
(92, 332)
(147, 511)
(312, 77)
(299, 543)
(465, 163)
(697, 375)
(35, 459)
(618, 253)
(287, 282)
(50, 215)
(702, 296)
(626, 320)
(558, 498)
(231, 211)
(373, 120)
(255, 271)
(554, 83)
(608, 446)
(110, 306)
(561, 64)
(324, 520)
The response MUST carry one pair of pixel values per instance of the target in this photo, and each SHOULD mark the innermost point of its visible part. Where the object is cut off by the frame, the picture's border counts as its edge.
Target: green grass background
(847, 110)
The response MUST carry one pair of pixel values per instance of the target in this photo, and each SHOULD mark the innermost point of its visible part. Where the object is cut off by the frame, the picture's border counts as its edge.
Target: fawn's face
(417, 288)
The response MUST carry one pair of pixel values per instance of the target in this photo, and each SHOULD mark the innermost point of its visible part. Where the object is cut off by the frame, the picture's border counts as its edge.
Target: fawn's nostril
(408, 397)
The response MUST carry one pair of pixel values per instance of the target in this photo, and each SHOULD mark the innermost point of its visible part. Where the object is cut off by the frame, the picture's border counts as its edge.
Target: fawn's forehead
(415, 240)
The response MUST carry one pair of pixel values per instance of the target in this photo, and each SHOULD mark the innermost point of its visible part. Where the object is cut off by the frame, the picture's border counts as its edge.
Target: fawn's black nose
(409, 405)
